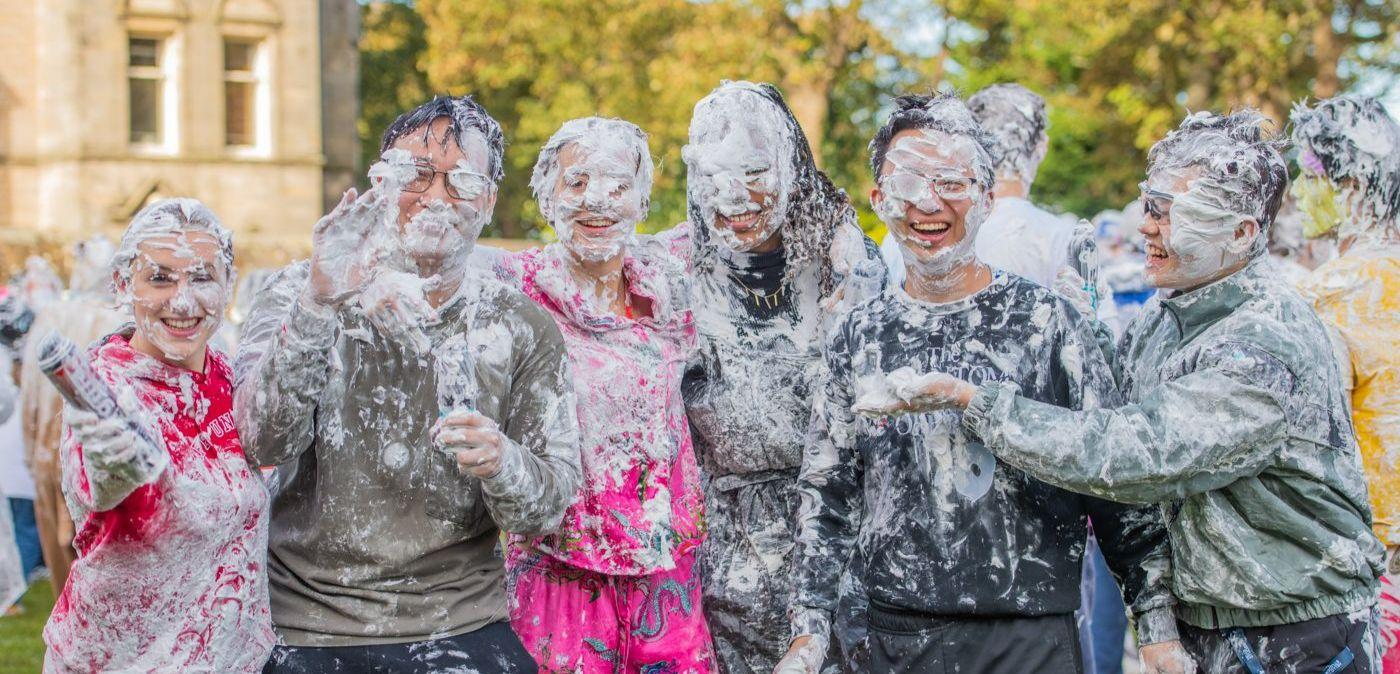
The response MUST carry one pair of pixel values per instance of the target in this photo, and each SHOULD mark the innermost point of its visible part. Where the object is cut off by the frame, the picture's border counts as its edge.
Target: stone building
(105, 105)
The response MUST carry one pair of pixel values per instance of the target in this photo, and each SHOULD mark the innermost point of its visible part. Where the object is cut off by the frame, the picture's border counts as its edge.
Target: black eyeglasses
(1155, 202)
(460, 183)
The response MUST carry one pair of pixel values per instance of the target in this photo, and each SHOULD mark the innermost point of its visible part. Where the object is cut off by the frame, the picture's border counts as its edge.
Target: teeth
(182, 323)
(930, 227)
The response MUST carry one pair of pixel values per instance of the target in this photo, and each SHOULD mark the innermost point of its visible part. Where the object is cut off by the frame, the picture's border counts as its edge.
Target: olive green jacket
(1237, 425)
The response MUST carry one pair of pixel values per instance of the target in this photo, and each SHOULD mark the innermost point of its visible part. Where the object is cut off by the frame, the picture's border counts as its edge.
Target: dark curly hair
(462, 113)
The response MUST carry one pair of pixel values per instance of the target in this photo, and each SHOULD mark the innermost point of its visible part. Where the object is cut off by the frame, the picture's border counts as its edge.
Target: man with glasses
(413, 407)
(969, 565)
(1236, 426)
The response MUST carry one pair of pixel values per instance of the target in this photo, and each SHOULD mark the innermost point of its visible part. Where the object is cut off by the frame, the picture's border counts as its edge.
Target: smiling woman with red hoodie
(171, 531)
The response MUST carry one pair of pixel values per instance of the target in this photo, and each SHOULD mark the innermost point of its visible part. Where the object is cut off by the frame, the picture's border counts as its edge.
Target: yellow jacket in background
(1358, 296)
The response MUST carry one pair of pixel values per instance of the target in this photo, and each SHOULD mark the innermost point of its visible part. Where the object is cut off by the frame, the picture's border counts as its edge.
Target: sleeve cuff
(1156, 626)
(813, 622)
(986, 406)
(506, 482)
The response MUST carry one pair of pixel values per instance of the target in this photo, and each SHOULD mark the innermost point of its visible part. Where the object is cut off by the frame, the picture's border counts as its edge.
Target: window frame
(258, 75)
(159, 74)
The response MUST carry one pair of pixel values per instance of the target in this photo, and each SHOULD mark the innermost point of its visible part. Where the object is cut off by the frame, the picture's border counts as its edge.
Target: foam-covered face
(443, 193)
(929, 198)
(596, 202)
(178, 289)
(1192, 236)
(1321, 204)
(740, 170)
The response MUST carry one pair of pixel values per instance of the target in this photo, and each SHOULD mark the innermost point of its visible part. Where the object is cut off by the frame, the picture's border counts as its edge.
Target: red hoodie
(173, 577)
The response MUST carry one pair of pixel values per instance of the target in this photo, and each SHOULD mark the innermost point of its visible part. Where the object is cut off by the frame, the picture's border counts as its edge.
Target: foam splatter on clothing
(577, 621)
(1236, 423)
(592, 596)
(1024, 239)
(172, 576)
(1358, 296)
(83, 318)
(748, 396)
(640, 506)
(377, 537)
(945, 529)
(12, 580)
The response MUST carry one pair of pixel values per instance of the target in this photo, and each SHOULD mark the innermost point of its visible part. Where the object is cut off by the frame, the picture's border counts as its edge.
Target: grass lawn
(21, 646)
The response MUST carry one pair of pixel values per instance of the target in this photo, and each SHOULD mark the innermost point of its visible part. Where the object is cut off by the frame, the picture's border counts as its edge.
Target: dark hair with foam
(1237, 151)
(944, 112)
(1015, 118)
(462, 114)
(815, 209)
(1352, 138)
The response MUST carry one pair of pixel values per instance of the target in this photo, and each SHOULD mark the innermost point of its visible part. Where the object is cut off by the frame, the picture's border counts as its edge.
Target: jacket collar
(644, 278)
(116, 349)
(1201, 308)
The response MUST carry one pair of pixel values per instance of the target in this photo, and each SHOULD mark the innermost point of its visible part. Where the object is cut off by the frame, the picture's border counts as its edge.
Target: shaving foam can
(78, 383)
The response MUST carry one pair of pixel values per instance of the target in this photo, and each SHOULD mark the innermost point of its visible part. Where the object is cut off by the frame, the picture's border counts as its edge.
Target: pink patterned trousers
(579, 621)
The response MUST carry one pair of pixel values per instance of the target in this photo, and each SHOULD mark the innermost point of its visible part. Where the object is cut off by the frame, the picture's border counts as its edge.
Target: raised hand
(341, 249)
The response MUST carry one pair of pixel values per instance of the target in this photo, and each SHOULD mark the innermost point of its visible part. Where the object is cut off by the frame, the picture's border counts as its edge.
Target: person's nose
(437, 189)
(929, 204)
(730, 188)
(595, 196)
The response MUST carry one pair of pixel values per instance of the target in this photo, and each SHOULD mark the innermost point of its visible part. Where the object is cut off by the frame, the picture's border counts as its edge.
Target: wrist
(508, 468)
(964, 394)
(1157, 626)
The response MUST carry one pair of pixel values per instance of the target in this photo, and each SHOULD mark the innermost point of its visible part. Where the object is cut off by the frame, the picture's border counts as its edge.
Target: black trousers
(490, 650)
(1309, 647)
(915, 643)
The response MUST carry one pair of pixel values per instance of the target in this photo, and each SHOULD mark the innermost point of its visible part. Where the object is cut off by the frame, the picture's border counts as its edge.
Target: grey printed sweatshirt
(944, 528)
(375, 535)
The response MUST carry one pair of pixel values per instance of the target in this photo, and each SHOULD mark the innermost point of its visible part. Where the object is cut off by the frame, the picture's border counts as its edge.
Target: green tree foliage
(1120, 73)
(1117, 73)
(537, 64)
(392, 42)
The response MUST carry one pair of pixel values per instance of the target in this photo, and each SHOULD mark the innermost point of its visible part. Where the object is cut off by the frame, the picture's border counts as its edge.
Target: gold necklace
(761, 300)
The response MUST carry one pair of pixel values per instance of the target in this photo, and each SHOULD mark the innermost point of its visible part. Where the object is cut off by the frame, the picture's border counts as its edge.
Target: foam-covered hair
(1351, 139)
(816, 208)
(462, 114)
(171, 217)
(595, 129)
(1238, 153)
(944, 112)
(1015, 119)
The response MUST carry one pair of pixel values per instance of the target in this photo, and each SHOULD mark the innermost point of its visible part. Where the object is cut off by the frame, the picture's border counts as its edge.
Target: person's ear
(1245, 233)
(876, 196)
